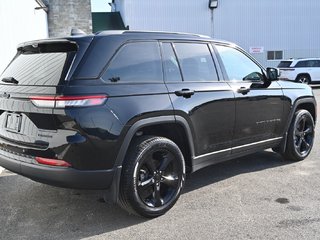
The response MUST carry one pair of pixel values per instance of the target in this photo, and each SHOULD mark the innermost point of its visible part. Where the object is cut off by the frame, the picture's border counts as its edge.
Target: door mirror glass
(272, 74)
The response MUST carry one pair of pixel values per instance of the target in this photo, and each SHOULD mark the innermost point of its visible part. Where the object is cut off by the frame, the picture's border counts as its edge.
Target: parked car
(134, 112)
(306, 70)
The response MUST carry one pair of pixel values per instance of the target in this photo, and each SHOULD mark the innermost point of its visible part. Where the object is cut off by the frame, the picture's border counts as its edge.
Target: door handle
(186, 93)
(243, 90)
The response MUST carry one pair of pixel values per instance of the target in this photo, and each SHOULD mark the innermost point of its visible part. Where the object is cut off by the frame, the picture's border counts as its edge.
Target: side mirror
(272, 74)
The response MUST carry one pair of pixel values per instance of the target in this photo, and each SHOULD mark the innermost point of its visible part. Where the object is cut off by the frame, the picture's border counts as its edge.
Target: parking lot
(259, 196)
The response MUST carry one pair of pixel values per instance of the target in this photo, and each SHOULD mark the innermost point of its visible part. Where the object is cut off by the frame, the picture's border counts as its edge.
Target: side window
(196, 62)
(317, 63)
(171, 66)
(301, 64)
(312, 63)
(136, 62)
(238, 66)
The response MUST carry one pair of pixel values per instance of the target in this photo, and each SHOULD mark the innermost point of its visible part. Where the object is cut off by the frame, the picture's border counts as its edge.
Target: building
(20, 21)
(65, 15)
(270, 29)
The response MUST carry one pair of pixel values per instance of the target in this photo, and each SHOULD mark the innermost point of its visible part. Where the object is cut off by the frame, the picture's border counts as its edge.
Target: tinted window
(284, 64)
(238, 66)
(37, 69)
(196, 62)
(302, 64)
(136, 62)
(171, 66)
(313, 63)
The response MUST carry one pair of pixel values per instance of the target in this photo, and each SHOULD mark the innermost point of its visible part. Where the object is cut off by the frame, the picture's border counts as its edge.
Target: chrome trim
(212, 153)
(264, 141)
(242, 146)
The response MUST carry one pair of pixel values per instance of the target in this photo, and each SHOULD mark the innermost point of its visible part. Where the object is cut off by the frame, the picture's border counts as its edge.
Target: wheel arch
(309, 104)
(301, 74)
(155, 126)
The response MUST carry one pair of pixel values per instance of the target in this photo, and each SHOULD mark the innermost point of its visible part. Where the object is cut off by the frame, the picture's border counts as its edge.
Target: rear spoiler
(48, 45)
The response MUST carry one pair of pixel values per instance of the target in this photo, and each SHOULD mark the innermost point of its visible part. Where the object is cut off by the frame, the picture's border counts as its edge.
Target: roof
(159, 35)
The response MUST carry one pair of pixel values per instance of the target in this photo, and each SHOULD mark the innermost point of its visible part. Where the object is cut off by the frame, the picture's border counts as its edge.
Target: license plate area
(13, 122)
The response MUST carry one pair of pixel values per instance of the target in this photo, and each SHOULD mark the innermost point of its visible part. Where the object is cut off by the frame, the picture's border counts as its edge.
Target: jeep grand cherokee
(134, 111)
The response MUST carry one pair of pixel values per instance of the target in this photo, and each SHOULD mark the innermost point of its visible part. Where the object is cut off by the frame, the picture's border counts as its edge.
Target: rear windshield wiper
(10, 80)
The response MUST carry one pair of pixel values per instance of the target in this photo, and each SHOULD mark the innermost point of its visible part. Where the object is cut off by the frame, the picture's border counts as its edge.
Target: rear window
(39, 64)
(284, 64)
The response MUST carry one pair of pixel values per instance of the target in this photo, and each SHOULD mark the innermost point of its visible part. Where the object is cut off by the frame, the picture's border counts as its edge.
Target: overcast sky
(100, 6)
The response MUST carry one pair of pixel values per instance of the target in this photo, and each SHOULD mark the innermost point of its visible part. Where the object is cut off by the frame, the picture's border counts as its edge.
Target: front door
(259, 105)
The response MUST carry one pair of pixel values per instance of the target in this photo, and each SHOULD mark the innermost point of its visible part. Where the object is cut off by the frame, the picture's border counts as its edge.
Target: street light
(213, 4)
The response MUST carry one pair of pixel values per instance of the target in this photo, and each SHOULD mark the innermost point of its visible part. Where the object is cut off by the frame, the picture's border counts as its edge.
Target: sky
(100, 6)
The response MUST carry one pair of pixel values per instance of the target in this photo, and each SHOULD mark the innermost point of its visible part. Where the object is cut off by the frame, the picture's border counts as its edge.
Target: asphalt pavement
(259, 196)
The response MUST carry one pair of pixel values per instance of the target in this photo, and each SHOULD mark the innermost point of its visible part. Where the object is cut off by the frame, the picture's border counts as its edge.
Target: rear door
(200, 98)
(259, 106)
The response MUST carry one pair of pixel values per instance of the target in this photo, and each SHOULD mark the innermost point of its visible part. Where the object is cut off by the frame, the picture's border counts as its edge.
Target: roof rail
(164, 32)
(155, 32)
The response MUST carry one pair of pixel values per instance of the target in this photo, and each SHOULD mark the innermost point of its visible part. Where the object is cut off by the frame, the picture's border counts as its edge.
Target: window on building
(275, 55)
(171, 66)
(196, 62)
(136, 62)
(238, 66)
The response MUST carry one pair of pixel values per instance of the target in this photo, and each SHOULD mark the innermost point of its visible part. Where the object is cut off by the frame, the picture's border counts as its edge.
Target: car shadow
(252, 163)
(29, 210)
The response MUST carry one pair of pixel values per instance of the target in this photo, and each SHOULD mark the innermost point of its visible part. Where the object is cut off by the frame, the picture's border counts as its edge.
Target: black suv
(134, 111)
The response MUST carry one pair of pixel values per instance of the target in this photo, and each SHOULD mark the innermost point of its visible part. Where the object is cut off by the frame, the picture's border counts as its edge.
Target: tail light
(67, 101)
(52, 162)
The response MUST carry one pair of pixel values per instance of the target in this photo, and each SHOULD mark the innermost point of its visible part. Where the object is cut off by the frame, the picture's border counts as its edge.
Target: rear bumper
(58, 176)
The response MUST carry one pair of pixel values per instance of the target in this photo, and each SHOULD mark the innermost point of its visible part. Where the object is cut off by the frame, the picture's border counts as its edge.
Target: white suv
(305, 70)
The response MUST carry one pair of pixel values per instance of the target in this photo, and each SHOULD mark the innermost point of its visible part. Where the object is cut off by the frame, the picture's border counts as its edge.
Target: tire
(300, 136)
(276, 149)
(303, 79)
(153, 176)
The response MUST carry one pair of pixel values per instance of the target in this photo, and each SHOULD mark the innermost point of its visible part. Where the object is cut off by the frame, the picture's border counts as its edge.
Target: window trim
(163, 64)
(235, 47)
(105, 69)
(208, 43)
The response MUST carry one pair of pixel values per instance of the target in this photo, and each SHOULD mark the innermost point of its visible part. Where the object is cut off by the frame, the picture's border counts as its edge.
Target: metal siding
(166, 15)
(285, 25)
(290, 26)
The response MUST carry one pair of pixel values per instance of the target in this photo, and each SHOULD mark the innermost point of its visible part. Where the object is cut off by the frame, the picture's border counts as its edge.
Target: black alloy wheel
(153, 176)
(158, 178)
(300, 136)
(303, 135)
(303, 79)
